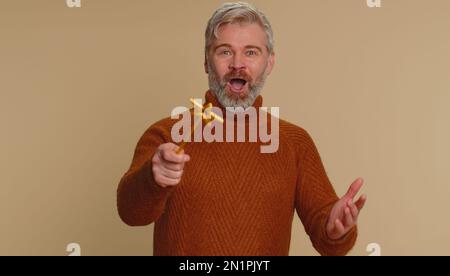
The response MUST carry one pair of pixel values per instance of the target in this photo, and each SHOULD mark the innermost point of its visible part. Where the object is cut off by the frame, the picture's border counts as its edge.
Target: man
(229, 198)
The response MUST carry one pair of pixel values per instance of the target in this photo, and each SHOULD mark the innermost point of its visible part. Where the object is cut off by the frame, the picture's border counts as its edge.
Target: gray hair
(240, 12)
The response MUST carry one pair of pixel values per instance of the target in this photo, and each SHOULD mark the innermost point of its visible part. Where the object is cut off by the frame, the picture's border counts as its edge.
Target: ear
(205, 64)
(271, 63)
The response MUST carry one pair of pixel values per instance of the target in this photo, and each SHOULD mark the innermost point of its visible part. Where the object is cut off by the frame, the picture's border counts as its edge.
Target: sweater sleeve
(315, 197)
(140, 201)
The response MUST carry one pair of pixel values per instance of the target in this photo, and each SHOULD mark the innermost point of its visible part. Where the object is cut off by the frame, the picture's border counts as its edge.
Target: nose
(237, 63)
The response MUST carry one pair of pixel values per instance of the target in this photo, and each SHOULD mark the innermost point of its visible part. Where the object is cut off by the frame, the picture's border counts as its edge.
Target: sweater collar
(210, 97)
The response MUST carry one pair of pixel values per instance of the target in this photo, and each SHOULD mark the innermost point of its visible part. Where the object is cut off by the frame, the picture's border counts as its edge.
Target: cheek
(221, 67)
(257, 68)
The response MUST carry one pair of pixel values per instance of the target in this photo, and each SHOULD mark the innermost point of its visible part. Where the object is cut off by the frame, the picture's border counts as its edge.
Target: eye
(251, 53)
(226, 53)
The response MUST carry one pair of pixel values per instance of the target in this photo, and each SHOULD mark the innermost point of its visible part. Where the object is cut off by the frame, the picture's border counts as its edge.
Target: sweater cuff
(331, 247)
(341, 246)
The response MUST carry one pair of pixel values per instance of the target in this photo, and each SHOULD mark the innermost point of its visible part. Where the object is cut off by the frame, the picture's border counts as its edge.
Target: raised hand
(344, 214)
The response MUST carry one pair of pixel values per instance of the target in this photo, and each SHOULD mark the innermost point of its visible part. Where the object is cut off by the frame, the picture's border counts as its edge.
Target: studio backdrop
(80, 85)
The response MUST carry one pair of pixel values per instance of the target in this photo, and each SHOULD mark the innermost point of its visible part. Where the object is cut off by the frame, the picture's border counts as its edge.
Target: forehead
(240, 35)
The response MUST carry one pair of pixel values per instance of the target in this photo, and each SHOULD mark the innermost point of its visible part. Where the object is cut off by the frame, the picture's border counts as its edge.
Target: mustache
(237, 75)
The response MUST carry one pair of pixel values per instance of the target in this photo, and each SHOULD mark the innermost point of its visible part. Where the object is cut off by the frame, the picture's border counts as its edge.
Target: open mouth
(237, 85)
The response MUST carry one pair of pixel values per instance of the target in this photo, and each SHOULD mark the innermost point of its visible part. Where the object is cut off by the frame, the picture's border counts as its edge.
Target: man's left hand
(344, 214)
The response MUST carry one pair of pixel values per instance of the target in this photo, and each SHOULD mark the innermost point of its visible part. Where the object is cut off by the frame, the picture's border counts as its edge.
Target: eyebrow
(246, 47)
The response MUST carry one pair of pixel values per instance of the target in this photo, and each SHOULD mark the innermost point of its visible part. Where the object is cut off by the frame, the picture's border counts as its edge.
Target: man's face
(238, 64)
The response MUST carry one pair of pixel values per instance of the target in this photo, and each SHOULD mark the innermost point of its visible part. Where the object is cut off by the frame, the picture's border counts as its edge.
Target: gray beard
(219, 87)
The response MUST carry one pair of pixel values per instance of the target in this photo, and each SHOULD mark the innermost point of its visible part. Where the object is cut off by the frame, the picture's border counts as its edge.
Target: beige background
(78, 87)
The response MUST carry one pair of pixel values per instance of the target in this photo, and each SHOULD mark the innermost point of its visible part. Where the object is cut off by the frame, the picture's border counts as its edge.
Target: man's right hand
(167, 165)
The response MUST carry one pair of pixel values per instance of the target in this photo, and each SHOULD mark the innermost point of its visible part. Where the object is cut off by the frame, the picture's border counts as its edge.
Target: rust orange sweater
(232, 199)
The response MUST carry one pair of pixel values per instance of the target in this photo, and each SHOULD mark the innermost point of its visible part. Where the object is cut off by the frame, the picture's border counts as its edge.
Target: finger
(164, 181)
(173, 166)
(361, 201)
(331, 225)
(171, 156)
(171, 174)
(339, 226)
(170, 182)
(353, 210)
(354, 188)
(348, 217)
(178, 151)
